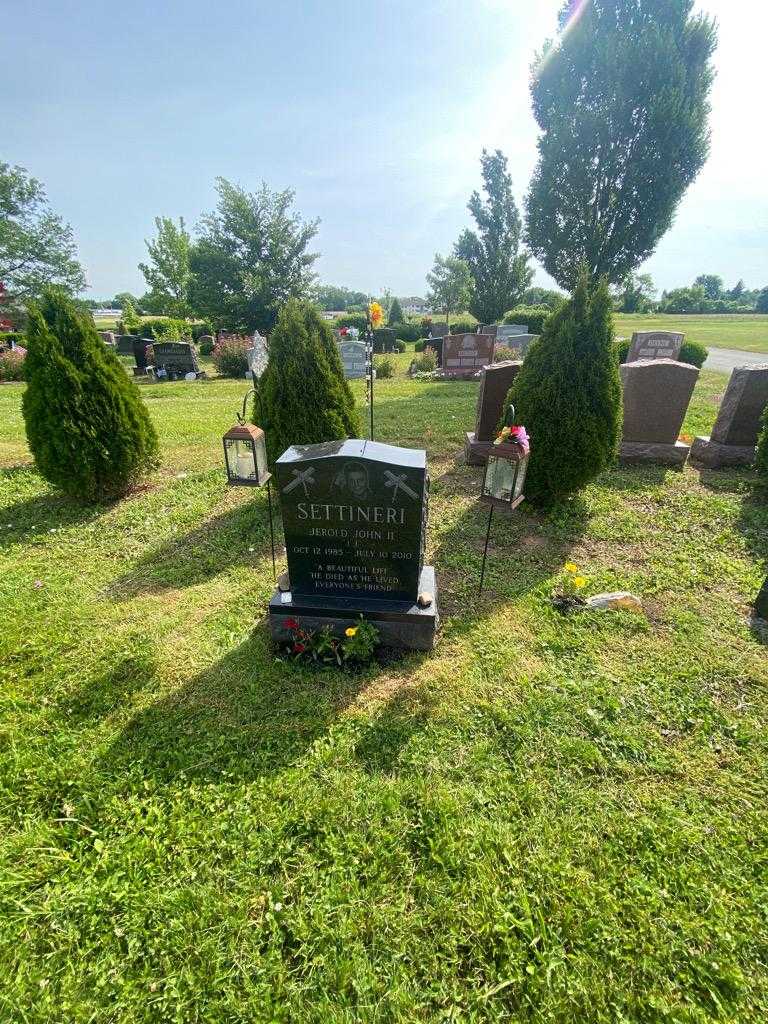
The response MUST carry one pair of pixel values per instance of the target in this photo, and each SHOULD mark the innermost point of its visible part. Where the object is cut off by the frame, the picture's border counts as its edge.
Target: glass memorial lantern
(245, 452)
(506, 467)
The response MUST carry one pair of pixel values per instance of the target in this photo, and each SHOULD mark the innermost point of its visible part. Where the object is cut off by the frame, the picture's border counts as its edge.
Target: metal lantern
(245, 452)
(505, 476)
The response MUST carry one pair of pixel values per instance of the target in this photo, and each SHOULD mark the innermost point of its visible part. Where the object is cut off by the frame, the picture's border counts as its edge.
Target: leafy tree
(761, 306)
(711, 283)
(543, 297)
(250, 258)
(168, 272)
(87, 427)
(304, 395)
(130, 319)
(737, 291)
(622, 104)
(450, 285)
(637, 294)
(121, 298)
(568, 395)
(36, 247)
(334, 297)
(500, 274)
(395, 315)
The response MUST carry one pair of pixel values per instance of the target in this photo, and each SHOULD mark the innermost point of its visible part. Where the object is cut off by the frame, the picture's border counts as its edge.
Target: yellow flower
(571, 567)
(376, 313)
(351, 630)
(579, 582)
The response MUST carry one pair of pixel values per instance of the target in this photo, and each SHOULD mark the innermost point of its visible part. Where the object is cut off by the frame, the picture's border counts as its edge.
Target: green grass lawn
(748, 332)
(548, 819)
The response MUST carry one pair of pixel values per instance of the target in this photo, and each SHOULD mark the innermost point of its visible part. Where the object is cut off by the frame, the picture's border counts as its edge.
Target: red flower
(291, 624)
(299, 648)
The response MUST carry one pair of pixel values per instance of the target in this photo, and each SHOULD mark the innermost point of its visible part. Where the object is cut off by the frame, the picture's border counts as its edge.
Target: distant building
(412, 305)
(104, 313)
(331, 314)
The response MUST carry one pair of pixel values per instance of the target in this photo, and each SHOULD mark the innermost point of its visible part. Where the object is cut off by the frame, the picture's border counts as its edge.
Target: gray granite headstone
(655, 345)
(355, 517)
(257, 355)
(733, 441)
(439, 330)
(657, 393)
(176, 358)
(353, 359)
(124, 344)
(506, 331)
(495, 382)
(491, 329)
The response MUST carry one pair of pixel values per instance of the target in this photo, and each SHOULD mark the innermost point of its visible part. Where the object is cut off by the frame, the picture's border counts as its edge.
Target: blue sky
(374, 112)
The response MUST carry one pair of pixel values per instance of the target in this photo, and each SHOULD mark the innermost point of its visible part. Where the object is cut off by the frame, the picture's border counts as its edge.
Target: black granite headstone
(354, 515)
(761, 604)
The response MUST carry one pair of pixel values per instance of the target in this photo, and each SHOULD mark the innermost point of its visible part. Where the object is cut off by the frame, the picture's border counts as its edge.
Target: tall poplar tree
(168, 273)
(500, 273)
(622, 101)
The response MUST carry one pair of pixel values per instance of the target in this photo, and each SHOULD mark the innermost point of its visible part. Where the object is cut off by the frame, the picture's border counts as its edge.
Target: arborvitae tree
(304, 396)
(568, 396)
(622, 101)
(88, 429)
(395, 315)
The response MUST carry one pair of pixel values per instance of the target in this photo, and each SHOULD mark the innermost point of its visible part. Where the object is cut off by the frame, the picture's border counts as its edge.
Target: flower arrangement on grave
(375, 314)
(515, 435)
(322, 647)
(569, 594)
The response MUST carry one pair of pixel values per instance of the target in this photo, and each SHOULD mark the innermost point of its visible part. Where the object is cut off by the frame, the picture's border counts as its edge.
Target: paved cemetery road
(727, 359)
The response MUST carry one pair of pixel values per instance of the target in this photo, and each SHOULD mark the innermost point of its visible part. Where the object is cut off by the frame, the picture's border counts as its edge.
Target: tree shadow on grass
(40, 513)
(219, 543)
(525, 548)
(636, 479)
(248, 715)
(384, 738)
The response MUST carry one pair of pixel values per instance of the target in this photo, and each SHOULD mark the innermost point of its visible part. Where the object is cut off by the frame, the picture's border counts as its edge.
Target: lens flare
(575, 10)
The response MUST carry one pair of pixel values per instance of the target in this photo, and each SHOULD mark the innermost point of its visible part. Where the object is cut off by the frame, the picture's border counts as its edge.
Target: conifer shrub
(87, 426)
(304, 395)
(568, 396)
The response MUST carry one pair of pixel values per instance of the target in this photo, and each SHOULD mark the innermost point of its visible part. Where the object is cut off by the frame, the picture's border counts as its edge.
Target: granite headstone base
(714, 455)
(400, 624)
(633, 452)
(476, 452)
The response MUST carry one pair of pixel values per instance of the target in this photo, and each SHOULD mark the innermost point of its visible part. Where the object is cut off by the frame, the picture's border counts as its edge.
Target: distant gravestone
(492, 329)
(465, 354)
(142, 352)
(438, 330)
(124, 344)
(107, 337)
(733, 441)
(257, 355)
(206, 339)
(657, 393)
(521, 342)
(353, 359)
(384, 339)
(355, 516)
(506, 331)
(176, 359)
(655, 345)
(495, 382)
